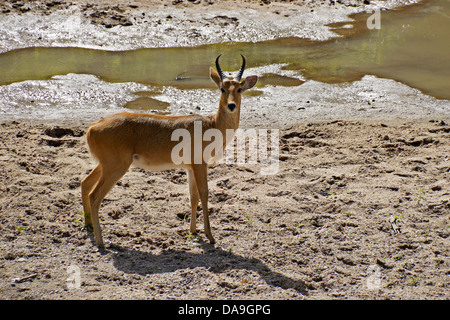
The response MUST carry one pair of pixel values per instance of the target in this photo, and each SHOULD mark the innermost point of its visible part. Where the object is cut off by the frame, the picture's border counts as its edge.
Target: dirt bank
(325, 226)
(127, 25)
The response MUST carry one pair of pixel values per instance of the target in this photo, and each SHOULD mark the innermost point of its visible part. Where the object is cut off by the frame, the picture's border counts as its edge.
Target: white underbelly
(143, 163)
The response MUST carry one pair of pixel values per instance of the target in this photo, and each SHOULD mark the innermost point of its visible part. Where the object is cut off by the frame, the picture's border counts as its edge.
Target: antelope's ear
(248, 82)
(215, 77)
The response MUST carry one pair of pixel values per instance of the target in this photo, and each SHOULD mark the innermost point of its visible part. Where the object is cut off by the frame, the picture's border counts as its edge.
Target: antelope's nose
(231, 106)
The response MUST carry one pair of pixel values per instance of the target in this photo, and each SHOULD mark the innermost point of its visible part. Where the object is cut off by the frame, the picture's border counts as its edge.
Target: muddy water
(412, 46)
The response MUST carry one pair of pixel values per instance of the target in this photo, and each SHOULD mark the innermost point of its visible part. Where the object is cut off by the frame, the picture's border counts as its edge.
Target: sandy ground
(358, 210)
(322, 227)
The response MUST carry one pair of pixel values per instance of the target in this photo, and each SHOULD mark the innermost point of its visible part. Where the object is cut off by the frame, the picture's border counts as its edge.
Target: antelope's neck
(224, 120)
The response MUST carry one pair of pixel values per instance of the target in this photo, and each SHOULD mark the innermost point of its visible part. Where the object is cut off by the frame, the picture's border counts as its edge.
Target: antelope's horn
(241, 70)
(219, 70)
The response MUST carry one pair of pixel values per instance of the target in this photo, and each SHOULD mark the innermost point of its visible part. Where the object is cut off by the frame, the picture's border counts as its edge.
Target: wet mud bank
(87, 98)
(127, 25)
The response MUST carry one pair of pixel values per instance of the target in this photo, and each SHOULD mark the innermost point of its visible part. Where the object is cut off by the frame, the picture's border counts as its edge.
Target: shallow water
(412, 46)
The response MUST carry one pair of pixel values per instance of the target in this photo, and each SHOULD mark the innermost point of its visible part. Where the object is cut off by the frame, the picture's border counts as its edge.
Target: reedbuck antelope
(144, 140)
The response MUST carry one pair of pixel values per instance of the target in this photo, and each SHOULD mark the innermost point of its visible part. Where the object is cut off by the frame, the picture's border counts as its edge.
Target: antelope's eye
(239, 90)
(222, 89)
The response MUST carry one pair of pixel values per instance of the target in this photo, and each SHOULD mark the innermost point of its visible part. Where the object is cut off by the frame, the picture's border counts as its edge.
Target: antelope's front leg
(194, 201)
(201, 180)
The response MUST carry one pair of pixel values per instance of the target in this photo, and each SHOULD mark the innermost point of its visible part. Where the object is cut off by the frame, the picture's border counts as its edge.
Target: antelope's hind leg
(109, 176)
(87, 185)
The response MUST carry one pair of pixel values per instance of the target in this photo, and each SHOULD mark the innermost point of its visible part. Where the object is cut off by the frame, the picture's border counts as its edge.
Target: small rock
(57, 132)
(436, 188)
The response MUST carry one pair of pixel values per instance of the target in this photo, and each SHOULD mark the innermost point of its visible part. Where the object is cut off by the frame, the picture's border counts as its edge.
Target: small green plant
(420, 196)
(193, 238)
(19, 229)
(414, 280)
(80, 218)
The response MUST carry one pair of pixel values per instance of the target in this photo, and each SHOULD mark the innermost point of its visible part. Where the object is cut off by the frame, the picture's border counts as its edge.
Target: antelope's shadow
(215, 259)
